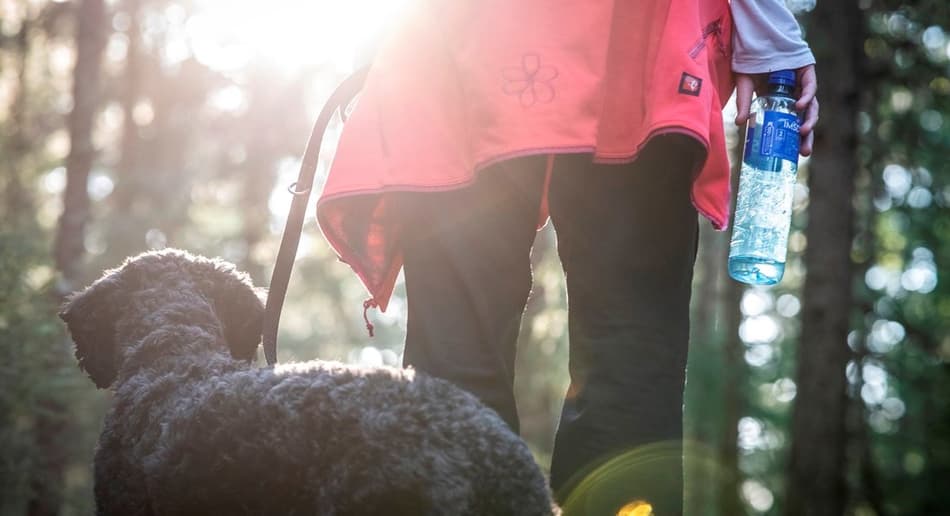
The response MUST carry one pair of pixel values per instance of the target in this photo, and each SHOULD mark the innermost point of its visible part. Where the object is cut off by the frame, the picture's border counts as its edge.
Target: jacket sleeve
(767, 38)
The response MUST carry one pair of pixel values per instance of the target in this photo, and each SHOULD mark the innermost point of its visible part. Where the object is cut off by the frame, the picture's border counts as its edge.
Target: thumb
(745, 85)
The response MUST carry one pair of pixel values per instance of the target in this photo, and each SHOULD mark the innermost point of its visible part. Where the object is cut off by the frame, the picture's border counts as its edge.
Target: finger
(807, 143)
(809, 86)
(744, 88)
(811, 118)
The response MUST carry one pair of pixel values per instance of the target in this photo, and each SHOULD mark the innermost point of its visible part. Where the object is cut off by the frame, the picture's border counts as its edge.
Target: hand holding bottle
(807, 103)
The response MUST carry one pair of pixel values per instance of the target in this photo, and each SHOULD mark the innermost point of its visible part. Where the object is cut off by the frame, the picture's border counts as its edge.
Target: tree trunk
(18, 209)
(733, 403)
(124, 227)
(50, 433)
(867, 488)
(703, 381)
(257, 182)
(711, 262)
(124, 193)
(90, 40)
(45, 475)
(817, 463)
(51, 427)
(733, 371)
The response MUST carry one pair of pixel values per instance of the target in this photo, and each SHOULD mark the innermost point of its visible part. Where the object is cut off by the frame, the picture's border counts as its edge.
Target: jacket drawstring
(544, 210)
(369, 303)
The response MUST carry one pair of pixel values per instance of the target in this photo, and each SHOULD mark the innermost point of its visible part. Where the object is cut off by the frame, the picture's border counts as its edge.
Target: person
(479, 120)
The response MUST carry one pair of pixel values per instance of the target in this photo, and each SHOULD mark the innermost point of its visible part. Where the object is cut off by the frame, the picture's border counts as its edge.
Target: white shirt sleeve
(767, 38)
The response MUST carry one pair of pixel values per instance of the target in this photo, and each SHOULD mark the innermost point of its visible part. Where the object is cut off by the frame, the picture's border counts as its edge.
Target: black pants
(627, 241)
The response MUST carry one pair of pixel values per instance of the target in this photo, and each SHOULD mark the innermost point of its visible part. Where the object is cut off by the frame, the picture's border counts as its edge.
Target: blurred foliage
(902, 332)
(198, 135)
(41, 385)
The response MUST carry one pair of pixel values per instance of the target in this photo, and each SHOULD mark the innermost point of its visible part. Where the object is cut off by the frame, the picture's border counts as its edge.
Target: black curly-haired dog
(197, 429)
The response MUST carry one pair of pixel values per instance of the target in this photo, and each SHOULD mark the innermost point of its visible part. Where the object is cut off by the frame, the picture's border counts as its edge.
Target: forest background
(128, 125)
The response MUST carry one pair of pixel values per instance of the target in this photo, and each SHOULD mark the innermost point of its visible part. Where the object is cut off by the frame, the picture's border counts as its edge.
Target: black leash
(340, 99)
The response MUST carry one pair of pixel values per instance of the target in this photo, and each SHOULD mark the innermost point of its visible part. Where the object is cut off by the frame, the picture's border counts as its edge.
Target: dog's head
(92, 315)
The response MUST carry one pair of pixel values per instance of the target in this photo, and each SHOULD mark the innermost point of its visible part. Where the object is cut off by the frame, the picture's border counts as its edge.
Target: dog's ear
(240, 308)
(91, 316)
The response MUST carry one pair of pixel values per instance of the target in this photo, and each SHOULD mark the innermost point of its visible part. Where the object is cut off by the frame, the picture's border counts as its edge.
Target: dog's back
(323, 438)
(196, 429)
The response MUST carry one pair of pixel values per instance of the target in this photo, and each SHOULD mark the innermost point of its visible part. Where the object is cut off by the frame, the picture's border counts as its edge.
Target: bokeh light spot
(757, 495)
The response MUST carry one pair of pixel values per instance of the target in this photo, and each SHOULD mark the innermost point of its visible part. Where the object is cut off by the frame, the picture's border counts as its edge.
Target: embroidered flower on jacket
(531, 82)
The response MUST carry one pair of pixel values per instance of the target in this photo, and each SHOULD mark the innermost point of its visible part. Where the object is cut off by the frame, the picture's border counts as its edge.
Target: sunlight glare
(290, 34)
(230, 98)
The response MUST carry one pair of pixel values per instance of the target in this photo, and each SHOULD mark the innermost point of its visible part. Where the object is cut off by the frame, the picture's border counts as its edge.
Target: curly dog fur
(196, 428)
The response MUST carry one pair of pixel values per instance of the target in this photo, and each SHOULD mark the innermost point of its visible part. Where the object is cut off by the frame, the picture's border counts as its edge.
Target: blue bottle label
(777, 137)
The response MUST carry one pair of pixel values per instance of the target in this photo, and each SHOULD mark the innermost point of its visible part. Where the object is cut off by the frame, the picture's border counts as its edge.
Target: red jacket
(464, 83)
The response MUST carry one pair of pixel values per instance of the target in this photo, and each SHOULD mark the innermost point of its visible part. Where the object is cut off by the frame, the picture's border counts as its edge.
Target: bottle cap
(782, 77)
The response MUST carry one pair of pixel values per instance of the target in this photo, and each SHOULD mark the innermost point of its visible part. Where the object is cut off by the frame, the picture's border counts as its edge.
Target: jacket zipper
(714, 28)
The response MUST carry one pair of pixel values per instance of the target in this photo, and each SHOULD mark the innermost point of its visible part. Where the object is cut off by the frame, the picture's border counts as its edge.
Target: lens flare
(636, 508)
(644, 481)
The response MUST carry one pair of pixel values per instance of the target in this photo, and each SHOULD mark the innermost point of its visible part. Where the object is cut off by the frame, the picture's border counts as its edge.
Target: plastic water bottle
(766, 185)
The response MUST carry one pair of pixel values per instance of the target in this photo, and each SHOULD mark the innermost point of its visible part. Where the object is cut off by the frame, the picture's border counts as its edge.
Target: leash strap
(339, 99)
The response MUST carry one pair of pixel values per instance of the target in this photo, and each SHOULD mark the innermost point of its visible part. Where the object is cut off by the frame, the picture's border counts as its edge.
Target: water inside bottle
(762, 221)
